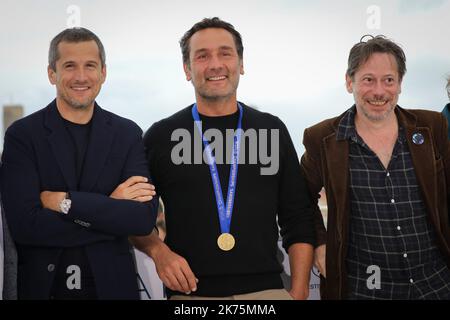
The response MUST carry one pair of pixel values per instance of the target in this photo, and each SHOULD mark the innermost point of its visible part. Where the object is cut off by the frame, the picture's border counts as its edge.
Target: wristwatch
(65, 204)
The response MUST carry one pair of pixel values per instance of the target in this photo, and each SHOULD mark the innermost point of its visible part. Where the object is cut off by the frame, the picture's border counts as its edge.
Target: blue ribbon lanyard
(224, 212)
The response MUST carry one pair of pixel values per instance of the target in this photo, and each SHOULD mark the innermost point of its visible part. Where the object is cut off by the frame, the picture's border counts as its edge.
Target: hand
(51, 200)
(174, 271)
(319, 259)
(134, 188)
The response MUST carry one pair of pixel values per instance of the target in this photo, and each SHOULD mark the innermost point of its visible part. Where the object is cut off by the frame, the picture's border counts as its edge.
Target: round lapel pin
(418, 138)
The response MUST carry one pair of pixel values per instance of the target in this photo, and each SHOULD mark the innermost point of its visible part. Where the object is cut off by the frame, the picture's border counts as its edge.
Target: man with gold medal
(224, 245)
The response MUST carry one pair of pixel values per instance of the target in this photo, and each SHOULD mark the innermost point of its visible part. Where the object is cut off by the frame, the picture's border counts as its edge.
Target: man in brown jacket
(385, 171)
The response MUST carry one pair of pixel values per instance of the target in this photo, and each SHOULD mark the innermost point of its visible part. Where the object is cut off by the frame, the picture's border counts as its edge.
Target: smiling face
(214, 65)
(79, 74)
(376, 86)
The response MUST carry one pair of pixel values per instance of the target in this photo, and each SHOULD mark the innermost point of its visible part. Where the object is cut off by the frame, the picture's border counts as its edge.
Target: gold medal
(226, 241)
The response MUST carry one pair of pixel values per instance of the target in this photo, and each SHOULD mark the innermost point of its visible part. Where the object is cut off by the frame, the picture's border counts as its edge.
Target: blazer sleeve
(29, 222)
(117, 217)
(311, 167)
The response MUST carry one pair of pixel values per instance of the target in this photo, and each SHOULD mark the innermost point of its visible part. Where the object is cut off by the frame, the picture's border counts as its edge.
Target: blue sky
(295, 53)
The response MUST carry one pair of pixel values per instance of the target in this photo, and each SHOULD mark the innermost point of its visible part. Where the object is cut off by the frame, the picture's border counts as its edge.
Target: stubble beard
(212, 97)
(77, 105)
(378, 117)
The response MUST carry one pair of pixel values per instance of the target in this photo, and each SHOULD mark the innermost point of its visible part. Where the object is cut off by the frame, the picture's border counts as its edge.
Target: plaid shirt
(389, 227)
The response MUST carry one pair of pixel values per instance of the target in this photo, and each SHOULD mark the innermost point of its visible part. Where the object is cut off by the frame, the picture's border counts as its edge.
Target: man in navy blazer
(75, 184)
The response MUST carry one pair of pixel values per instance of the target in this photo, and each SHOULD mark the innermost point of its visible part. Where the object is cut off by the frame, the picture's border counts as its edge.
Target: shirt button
(411, 280)
(51, 267)
(405, 255)
(392, 201)
(399, 228)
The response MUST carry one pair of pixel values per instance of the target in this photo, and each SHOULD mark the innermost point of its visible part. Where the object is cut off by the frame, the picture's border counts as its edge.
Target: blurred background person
(446, 110)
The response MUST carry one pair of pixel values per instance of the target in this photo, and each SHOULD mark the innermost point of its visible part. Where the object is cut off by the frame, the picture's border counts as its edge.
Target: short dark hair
(73, 35)
(362, 51)
(210, 23)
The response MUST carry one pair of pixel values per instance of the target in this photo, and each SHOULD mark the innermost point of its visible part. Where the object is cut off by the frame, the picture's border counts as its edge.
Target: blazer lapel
(100, 141)
(61, 145)
(423, 157)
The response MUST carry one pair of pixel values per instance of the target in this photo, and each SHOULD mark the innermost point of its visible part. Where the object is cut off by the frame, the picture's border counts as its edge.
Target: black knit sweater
(262, 202)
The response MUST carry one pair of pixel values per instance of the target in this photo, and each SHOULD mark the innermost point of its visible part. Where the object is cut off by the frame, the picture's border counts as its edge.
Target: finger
(183, 282)
(133, 180)
(142, 193)
(148, 185)
(164, 277)
(143, 199)
(175, 285)
(146, 190)
(141, 185)
(137, 191)
(167, 282)
(190, 277)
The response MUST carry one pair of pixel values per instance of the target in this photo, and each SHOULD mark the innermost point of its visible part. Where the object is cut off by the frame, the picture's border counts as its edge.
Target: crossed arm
(34, 217)
(134, 188)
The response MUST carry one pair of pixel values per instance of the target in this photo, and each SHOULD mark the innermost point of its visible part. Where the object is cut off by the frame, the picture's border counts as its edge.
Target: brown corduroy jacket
(325, 164)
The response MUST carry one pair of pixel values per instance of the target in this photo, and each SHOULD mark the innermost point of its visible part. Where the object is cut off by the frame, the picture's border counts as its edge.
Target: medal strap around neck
(224, 210)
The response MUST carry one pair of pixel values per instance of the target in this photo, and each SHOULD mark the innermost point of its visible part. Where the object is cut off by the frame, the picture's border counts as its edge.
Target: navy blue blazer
(38, 156)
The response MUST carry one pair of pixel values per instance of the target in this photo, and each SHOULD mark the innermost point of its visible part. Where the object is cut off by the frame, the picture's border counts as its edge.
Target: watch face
(65, 206)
